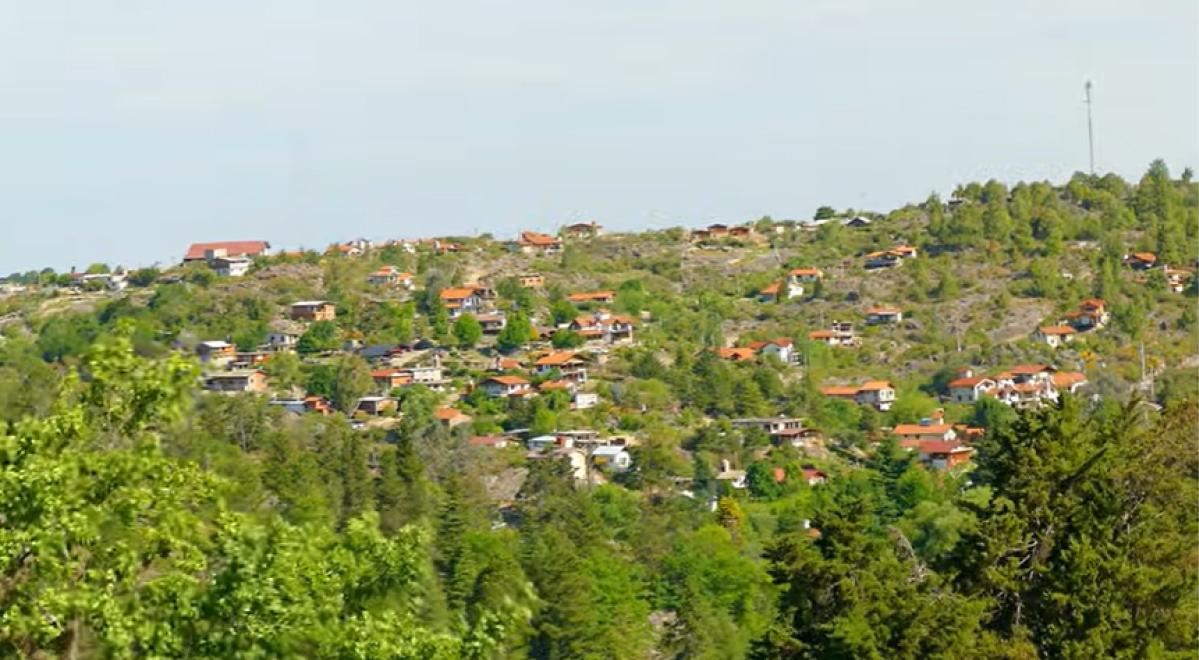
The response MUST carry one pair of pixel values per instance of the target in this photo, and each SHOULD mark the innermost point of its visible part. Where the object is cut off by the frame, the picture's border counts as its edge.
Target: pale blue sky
(129, 129)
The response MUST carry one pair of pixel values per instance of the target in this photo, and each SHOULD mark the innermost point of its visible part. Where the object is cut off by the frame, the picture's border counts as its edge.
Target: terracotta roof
(554, 385)
(588, 296)
(509, 363)
(735, 353)
(875, 385)
(1147, 257)
(884, 310)
(969, 382)
(1028, 369)
(838, 390)
(456, 293)
(821, 334)
(1092, 303)
(507, 380)
(813, 473)
(771, 290)
(1068, 379)
(1057, 330)
(231, 248)
(446, 413)
(903, 249)
(918, 429)
(759, 345)
(537, 239)
(806, 272)
(556, 358)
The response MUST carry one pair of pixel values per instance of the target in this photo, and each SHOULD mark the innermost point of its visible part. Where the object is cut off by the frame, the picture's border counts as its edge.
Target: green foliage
(467, 330)
(516, 333)
(321, 336)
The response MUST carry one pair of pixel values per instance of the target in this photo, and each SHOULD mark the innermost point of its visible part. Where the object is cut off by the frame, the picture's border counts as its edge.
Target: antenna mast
(1090, 131)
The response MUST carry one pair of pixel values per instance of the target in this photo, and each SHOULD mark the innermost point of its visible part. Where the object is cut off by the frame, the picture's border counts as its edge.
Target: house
(602, 297)
(230, 266)
(215, 351)
(799, 438)
(313, 310)
(736, 354)
(840, 334)
(501, 363)
(604, 326)
(613, 457)
(1140, 260)
(890, 258)
(734, 478)
(570, 365)
(781, 290)
(924, 431)
(461, 300)
(318, 404)
(584, 400)
(1068, 381)
(390, 276)
(531, 280)
(856, 222)
(543, 442)
(877, 393)
(583, 230)
(249, 359)
(206, 251)
(1177, 278)
(351, 249)
(114, 281)
(493, 441)
(290, 405)
(284, 335)
(532, 242)
(506, 386)
(970, 388)
(451, 417)
(813, 476)
(1054, 335)
(492, 323)
(885, 314)
(781, 348)
(771, 425)
(940, 454)
(806, 274)
(254, 381)
(376, 405)
(1091, 314)
(390, 379)
(741, 231)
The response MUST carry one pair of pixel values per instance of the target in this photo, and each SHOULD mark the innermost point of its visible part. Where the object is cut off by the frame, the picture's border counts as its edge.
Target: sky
(131, 128)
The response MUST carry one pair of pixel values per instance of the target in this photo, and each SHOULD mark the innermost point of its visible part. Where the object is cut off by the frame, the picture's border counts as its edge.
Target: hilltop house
(771, 425)
(506, 386)
(209, 251)
(451, 417)
(839, 334)
(492, 323)
(313, 310)
(253, 381)
(884, 314)
(531, 242)
(878, 394)
(583, 230)
(613, 457)
(461, 300)
(736, 354)
(1054, 335)
(284, 335)
(969, 389)
(230, 266)
(390, 276)
(940, 454)
(601, 297)
(781, 347)
(570, 365)
(781, 290)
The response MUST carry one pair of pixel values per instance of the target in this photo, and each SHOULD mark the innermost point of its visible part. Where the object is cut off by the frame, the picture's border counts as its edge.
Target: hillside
(651, 444)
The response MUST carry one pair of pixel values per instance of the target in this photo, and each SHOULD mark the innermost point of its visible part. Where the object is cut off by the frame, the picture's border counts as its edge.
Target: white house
(969, 389)
(1054, 335)
(504, 386)
(614, 457)
(781, 348)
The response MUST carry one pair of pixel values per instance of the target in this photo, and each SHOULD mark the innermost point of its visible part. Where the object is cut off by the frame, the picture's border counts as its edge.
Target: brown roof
(918, 429)
(1147, 257)
(446, 413)
(1057, 330)
(556, 358)
(456, 293)
(821, 334)
(884, 310)
(735, 353)
(839, 390)
(1028, 369)
(771, 290)
(537, 239)
(231, 248)
(1068, 378)
(508, 380)
(874, 385)
(807, 272)
(969, 382)
(587, 296)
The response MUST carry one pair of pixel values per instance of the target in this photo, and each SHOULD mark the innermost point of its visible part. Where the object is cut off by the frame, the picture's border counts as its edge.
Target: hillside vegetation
(659, 454)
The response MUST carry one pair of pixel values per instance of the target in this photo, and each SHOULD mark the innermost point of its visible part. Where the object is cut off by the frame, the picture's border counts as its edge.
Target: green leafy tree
(516, 333)
(321, 336)
(467, 330)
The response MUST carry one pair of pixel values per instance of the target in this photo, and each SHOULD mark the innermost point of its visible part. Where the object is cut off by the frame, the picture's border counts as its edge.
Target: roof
(215, 343)
(821, 334)
(456, 293)
(556, 359)
(537, 239)
(884, 310)
(936, 446)
(970, 382)
(807, 272)
(447, 413)
(585, 296)
(1093, 303)
(735, 353)
(903, 249)
(507, 380)
(231, 248)
(1028, 369)
(554, 385)
(770, 290)
(874, 385)
(311, 303)
(1068, 379)
(1147, 257)
(778, 341)
(921, 429)
(1057, 330)
(608, 450)
(487, 440)
(839, 390)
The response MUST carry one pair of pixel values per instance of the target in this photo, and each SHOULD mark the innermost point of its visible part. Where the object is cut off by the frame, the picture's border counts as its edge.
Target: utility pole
(1090, 130)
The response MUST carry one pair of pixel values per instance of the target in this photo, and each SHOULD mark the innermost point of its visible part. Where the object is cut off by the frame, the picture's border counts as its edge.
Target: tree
(516, 333)
(321, 336)
(563, 311)
(467, 330)
(566, 339)
(825, 212)
(351, 381)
